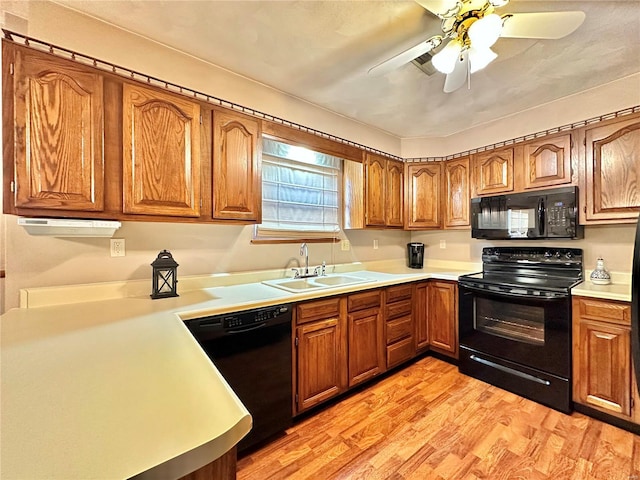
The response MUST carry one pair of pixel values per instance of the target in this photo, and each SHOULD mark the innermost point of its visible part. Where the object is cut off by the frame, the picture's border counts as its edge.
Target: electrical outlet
(375, 244)
(117, 247)
(443, 244)
(345, 245)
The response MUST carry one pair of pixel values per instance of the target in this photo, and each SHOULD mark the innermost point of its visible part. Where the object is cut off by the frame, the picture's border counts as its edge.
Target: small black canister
(415, 254)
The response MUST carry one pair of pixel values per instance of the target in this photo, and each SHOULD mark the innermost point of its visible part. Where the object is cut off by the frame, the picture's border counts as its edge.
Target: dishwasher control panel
(250, 317)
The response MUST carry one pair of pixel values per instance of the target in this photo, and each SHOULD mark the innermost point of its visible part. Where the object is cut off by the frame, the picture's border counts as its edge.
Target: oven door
(529, 330)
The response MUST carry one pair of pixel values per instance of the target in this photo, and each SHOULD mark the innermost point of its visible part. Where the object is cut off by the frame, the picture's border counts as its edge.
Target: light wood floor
(430, 422)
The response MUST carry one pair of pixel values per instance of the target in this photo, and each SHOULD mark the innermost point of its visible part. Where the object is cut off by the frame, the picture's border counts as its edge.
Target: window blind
(300, 192)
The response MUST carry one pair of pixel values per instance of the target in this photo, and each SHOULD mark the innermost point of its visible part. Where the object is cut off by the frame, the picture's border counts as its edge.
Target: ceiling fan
(469, 30)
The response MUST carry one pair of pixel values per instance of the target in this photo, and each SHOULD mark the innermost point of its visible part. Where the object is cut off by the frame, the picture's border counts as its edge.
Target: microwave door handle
(541, 219)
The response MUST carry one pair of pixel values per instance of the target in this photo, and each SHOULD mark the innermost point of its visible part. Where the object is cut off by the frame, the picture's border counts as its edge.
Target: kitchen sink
(296, 285)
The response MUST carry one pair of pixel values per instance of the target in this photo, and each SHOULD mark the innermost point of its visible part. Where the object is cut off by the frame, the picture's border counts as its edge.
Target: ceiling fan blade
(460, 73)
(406, 56)
(551, 25)
(437, 7)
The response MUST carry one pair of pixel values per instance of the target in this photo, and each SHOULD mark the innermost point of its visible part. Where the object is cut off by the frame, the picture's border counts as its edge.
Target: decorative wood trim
(532, 136)
(62, 52)
(103, 65)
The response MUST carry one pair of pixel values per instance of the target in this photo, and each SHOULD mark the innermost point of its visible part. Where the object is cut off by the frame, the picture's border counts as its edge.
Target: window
(300, 193)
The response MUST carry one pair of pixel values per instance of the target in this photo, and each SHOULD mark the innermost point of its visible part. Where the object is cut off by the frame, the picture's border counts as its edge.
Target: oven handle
(557, 296)
(512, 371)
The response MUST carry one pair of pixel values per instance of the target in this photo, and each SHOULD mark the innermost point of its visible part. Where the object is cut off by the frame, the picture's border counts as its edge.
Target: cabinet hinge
(12, 186)
(584, 141)
(296, 342)
(11, 68)
(200, 119)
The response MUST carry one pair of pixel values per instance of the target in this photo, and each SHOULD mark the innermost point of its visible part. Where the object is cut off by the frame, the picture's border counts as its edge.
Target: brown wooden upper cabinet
(456, 193)
(58, 113)
(161, 153)
(237, 185)
(547, 161)
(423, 191)
(493, 171)
(613, 169)
(395, 194)
(384, 180)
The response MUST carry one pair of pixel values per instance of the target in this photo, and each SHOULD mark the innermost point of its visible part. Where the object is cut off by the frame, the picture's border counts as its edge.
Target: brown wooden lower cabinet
(223, 468)
(366, 344)
(321, 352)
(399, 324)
(602, 370)
(346, 340)
(442, 313)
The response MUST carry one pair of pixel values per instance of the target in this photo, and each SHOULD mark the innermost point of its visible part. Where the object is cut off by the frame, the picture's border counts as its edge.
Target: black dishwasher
(252, 351)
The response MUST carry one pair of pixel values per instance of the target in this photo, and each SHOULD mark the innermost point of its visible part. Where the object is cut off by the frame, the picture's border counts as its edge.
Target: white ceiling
(320, 51)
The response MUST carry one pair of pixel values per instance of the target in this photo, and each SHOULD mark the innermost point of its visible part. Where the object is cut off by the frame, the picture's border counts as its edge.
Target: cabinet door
(613, 170)
(375, 184)
(604, 367)
(321, 361)
(161, 153)
(456, 193)
(420, 315)
(366, 345)
(442, 308)
(493, 171)
(395, 194)
(547, 161)
(424, 195)
(58, 114)
(237, 187)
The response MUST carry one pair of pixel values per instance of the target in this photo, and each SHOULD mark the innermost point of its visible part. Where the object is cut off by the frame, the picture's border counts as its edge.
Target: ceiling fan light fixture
(485, 31)
(445, 60)
(480, 58)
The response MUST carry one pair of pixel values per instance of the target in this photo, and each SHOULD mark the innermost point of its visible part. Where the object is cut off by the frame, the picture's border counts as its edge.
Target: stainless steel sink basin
(296, 285)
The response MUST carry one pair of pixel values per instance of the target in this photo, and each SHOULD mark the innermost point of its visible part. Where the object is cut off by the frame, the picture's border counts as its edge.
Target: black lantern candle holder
(165, 276)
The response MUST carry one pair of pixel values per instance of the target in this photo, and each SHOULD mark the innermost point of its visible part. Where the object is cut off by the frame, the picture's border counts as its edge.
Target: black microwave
(551, 213)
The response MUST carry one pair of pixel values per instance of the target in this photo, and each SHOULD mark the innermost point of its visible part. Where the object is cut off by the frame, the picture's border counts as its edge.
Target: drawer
(360, 301)
(318, 310)
(399, 292)
(400, 352)
(603, 311)
(398, 309)
(398, 329)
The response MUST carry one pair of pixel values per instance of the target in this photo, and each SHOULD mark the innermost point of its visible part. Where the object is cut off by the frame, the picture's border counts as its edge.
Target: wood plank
(429, 421)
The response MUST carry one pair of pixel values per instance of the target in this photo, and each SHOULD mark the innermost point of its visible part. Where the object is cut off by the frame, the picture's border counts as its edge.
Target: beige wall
(199, 249)
(614, 243)
(618, 95)
(202, 249)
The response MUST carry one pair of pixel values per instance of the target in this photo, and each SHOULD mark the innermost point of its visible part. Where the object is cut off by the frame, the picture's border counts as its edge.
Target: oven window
(522, 323)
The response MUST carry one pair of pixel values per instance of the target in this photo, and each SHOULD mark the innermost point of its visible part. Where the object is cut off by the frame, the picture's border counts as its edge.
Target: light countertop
(98, 382)
(117, 387)
(614, 291)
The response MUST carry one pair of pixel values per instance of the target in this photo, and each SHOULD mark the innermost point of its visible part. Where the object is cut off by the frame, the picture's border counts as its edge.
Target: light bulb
(485, 31)
(445, 60)
(480, 58)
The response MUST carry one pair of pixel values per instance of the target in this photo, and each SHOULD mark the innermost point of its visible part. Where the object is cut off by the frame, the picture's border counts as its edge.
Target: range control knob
(557, 254)
(569, 255)
(548, 254)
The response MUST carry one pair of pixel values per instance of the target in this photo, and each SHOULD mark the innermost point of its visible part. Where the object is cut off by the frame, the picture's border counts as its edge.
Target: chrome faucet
(304, 250)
